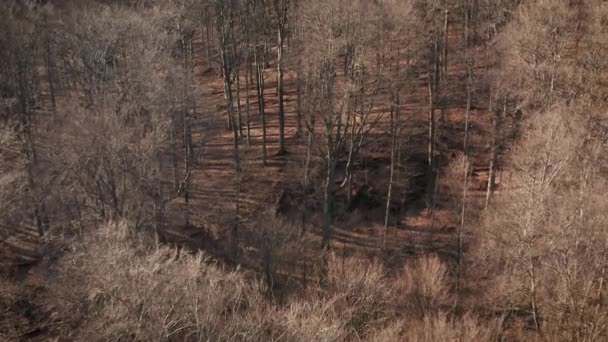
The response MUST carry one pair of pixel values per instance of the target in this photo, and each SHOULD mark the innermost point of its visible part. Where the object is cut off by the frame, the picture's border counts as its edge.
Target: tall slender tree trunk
(282, 149)
(228, 117)
(187, 154)
(50, 69)
(228, 59)
(459, 265)
(238, 102)
(402, 197)
(308, 157)
(433, 170)
(433, 88)
(444, 61)
(328, 200)
(298, 105)
(348, 169)
(235, 133)
(207, 44)
(434, 93)
(247, 101)
(259, 70)
(235, 151)
(173, 151)
(460, 252)
(394, 128)
(533, 303)
(494, 150)
(431, 124)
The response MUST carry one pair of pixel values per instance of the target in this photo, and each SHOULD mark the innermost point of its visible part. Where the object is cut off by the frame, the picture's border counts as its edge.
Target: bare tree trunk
(433, 88)
(434, 181)
(460, 252)
(532, 274)
(402, 197)
(445, 44)
(229, 58)
(431, 136)
(50, 69)
(247, 105)
(348, 171)
(238, 102)
(459, 269)
(228, 117)
(282, 149)
(298, 105)
(237, 209)
(494, 150)
(394, 137)
(465, 144)
(187, 161)
(187, 134)
(433, 173)
(187, 202)
(173, 152)
(236, 157)
(259, 70)
(207, 44)
(235, 133)
(308, 156)
(328, 199)
(553, 71)
(394, 123)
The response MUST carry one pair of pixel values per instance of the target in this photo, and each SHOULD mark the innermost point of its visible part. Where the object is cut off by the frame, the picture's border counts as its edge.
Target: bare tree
(536, 48)
(225, 13)
(281, 8)
(328, 98)
(259, 47)
(518, 227)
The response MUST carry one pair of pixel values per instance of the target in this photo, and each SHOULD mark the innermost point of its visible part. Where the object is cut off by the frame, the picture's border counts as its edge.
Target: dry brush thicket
(436, 169)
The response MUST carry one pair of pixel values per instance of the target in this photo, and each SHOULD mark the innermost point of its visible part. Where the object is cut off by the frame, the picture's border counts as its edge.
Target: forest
(304, 170)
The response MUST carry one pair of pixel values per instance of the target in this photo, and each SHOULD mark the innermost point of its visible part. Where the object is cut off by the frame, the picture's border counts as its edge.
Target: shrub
(438, 327)
(116, 285)
(361, 291)
(423, 285)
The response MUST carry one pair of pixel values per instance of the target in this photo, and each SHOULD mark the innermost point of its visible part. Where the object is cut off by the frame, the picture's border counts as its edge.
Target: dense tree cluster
(485, 120)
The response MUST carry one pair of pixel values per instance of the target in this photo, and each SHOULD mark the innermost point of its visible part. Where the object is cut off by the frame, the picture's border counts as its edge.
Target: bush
(441, 328)
(436, 327)
(361, 292)
(423, 285)
(116, 285)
